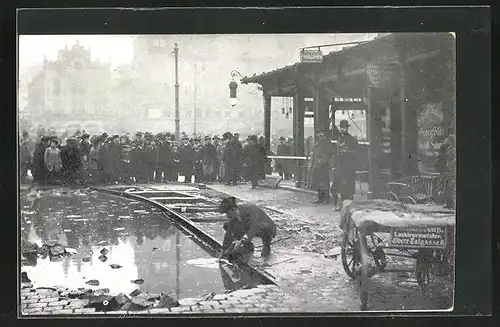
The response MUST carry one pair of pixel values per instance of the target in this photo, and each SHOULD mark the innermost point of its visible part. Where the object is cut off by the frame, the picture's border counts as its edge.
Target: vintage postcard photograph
(216, 174)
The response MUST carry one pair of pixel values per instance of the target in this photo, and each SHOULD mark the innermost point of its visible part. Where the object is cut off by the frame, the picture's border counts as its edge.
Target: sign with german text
(418, 237)
(312, 56)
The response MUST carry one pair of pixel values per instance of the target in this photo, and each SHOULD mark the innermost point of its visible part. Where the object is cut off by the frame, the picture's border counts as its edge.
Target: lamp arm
(235, 73)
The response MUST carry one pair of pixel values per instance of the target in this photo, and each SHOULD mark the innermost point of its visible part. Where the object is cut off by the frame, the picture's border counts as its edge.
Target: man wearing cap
(186, 159)
(345, 163)
(321, 166)
(246, 221)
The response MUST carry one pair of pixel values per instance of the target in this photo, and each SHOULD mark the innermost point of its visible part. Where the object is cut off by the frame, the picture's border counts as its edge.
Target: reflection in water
(142, 243)
(178, 256)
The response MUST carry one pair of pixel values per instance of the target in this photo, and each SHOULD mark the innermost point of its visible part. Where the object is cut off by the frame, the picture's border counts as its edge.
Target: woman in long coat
(53, 162)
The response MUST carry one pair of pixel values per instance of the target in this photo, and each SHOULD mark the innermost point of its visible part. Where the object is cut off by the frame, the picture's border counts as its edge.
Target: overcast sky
(283, 49)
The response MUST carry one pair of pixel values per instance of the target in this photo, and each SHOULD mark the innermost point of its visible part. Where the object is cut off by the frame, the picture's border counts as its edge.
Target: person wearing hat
(245, 221)
(209, 161)
(252, 159)
(345, 163)
(283, 149)
(321, 166)
(186, 159)
(233, 159)
(25, 155)
(71, 157)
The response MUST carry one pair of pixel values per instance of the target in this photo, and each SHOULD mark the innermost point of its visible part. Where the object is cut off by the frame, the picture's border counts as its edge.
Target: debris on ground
(93, 282)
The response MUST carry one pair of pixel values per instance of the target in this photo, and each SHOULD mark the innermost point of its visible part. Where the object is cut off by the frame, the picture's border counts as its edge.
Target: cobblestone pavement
(262, 299)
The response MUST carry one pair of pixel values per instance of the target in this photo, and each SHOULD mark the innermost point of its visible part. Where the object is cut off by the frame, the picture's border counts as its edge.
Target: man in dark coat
(103, 159)
(209, 161)
(345, 163)
(39, 170)
(246, 221)
(153, 159)
(232, 158)
(186, 160)
(71, 158)
(266, 162)
(85, 147)
(166, 159)
(25, 153)
(321, 166)
(114, 166)
(125, 169)
(281, 164)
(252, 158)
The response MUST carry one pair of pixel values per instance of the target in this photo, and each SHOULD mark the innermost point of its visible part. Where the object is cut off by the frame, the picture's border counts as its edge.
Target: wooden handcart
(373, 228)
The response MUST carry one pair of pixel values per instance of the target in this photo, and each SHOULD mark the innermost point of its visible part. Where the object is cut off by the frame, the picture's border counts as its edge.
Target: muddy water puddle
(139, 239)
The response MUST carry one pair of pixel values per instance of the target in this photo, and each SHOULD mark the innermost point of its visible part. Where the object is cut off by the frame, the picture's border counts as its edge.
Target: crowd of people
(83, 159)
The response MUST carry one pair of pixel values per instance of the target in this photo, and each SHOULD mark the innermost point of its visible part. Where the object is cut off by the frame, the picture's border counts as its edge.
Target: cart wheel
(410, 200)
(392, 197)
(350, 253)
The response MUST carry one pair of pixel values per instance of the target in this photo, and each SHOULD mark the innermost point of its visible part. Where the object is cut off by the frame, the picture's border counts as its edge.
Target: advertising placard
(419, 237)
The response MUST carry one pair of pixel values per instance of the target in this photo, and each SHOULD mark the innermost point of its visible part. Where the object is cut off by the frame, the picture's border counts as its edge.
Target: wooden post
(375, 148)
(267, 121)
(298, 133)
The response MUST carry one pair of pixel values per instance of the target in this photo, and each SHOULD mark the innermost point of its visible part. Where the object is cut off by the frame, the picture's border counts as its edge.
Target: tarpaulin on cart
(379, 214)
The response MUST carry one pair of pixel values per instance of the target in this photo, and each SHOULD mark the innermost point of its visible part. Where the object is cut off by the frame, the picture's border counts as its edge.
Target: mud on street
(85, 233)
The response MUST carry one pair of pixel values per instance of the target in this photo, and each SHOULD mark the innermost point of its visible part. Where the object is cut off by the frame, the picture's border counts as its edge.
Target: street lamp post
(233, 87)
(177, 120)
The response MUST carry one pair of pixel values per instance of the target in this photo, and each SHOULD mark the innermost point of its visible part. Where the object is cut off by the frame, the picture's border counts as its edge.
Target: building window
(57, 86)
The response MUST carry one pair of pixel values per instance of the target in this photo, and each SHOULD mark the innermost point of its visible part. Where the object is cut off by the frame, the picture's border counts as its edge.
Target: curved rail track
(208, 243)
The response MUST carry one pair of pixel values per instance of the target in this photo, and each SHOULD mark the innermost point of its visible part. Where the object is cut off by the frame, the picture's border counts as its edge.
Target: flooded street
(141, 240)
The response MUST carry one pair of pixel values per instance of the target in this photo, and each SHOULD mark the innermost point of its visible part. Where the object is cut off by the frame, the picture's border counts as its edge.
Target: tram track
(200, 237)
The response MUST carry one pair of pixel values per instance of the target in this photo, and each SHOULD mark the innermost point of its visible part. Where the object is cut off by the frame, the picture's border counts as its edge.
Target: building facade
(72, 87)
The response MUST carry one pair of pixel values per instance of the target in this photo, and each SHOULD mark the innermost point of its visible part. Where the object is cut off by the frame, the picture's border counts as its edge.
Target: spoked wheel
(392, 197)
(409, 200)
(350, 254)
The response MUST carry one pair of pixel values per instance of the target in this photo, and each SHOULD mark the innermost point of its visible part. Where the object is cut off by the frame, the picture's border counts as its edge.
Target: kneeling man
(246, 221)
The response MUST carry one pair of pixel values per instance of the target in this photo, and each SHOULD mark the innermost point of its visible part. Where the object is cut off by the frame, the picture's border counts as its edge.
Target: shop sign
(380, 75)
(311, 56)
(430, 134)
(418, 237)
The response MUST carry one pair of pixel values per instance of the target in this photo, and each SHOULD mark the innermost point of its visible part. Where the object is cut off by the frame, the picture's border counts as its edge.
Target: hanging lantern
(290, 110)
(233, 98)
(287, 115)
(283, 110)
(343, 112)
